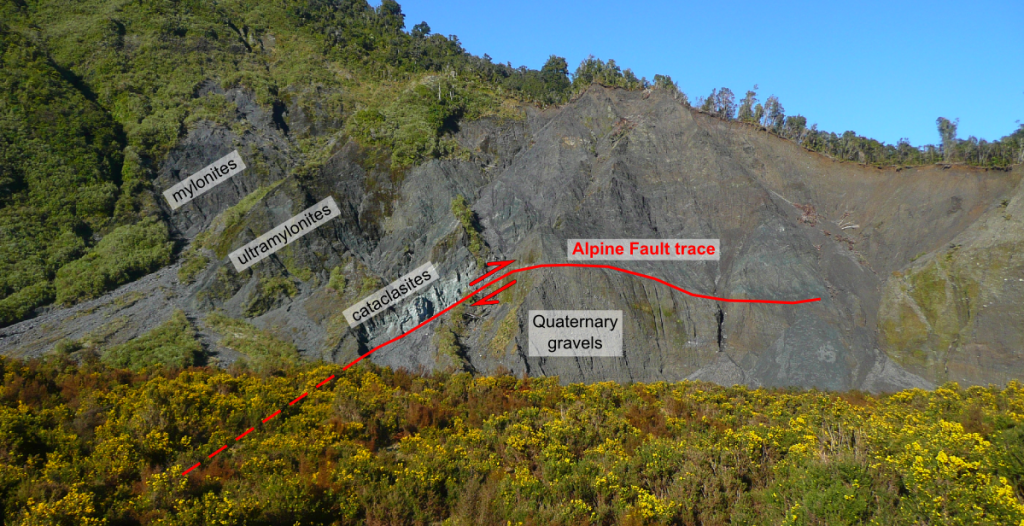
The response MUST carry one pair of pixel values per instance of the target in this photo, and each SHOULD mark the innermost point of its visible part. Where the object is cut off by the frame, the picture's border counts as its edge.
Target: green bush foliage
(193, 262)
(849, 146)
(262, 350)
(268, 293)
(447, 338)
(172, 344)
(94, 94)
(127, 253)
(337, 282)
(60, 163)
(20, 304)
(593, 70)
(470, 226)
(373, 42)
(87, 444)
(369, 283)
(229, 223)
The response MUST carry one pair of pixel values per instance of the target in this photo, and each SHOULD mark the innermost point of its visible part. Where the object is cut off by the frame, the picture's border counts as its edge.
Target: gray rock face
(612, 164)
(267, 154)
(955, 313)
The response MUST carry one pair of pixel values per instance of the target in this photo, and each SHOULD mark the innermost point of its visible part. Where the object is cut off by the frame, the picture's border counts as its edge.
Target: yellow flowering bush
(88, 444)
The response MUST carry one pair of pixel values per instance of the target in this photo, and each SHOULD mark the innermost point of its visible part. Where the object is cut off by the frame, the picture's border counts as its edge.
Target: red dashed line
(222, 448)
(576, 265)
(492, 282)
(239, 437)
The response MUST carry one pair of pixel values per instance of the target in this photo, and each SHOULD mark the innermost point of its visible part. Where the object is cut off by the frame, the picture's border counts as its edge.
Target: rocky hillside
(917, 268)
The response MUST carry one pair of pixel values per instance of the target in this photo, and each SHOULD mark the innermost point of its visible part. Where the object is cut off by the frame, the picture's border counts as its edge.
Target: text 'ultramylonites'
(285, 233)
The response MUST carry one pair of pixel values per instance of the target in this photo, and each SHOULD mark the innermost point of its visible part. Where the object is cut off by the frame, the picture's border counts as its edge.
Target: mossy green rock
(956, 313)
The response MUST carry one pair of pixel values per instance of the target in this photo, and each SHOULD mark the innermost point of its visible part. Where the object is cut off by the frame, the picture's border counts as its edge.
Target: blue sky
(883, 69)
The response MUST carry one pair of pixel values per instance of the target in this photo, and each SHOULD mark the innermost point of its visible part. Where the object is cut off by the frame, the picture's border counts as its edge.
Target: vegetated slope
(90, 445)
(51, 136)
(431, 157)
(96, 94)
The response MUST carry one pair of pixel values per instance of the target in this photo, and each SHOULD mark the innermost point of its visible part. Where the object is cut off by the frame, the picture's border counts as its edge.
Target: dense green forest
(94, 95)
(85, 444)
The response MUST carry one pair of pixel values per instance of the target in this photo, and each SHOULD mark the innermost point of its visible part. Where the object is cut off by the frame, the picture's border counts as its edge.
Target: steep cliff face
(915, 267)
(955, 313)
(792, 224)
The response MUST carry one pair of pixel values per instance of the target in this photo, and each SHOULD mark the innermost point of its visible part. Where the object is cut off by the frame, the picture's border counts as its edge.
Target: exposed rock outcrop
(921, 263)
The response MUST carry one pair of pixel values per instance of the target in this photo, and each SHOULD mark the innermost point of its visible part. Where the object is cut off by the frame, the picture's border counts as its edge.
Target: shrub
(194, 261)
(268, 293)
(17, 306)
(450, 353)
(383, 446)
(368, 284)
(229, 223)
(66, 346)
(127, 253)
(338, 281)
(60, 155)
(469, 224)
(262, 350)
(172, 344)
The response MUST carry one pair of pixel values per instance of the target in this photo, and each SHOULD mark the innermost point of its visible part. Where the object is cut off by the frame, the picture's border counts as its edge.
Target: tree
(555, 69)
(758, 113)
(746, 113)
(904, 149)
(390, 15)
(555, 75)
(795, 127)
(1019, 142)
(630, 82)
(665, 82)
(607, 74)
(421, 30)
(725, 104)
(586, 73)
(774, 114)
(708, 105)
(947, 131)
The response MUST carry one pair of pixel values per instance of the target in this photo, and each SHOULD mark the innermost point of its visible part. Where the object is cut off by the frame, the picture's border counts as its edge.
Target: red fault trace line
(577, 265)
(485, 301)
(300, 397)
(498, 265)
(247, 431)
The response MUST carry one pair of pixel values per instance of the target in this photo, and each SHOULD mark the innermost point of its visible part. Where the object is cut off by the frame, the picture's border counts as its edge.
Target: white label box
(284, 234)
(397, 291)
(643, 249)
(571, 333)
(204, 180)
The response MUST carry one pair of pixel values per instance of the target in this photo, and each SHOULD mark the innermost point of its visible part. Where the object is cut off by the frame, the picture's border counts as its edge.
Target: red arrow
(498, 266)
(486, 300)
